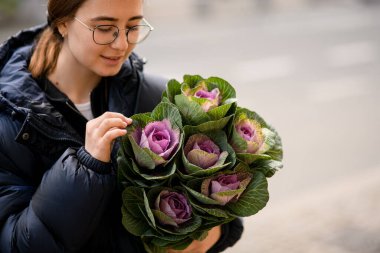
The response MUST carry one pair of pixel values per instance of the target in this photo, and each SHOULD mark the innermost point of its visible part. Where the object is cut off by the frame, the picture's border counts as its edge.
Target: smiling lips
(112, 59)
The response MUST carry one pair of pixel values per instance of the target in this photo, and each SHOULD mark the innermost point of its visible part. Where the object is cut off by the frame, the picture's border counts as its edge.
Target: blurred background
(311, 68)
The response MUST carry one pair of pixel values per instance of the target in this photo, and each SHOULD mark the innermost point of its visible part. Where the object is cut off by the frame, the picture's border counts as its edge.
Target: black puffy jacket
(54, 196)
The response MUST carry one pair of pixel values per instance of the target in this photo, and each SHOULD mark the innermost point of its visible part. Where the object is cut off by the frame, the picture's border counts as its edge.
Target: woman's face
(79, 46)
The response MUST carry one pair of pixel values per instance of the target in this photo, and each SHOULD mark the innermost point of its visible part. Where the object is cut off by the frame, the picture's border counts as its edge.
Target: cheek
(89, 55)
(80, 41)
(84, 52)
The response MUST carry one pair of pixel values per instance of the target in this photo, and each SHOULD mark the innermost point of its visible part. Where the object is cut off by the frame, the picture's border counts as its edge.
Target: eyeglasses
(106, 34)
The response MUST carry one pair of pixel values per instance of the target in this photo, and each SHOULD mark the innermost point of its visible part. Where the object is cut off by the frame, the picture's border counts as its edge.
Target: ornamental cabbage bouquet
(198, 160)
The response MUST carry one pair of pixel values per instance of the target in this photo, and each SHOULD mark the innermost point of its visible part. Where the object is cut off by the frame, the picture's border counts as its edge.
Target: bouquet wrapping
(198, 160)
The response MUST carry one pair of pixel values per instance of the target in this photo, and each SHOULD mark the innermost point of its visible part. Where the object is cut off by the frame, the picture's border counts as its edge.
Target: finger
(116, 115)
(108, 115)
(112, 134)
(109, 124)
(101, 150)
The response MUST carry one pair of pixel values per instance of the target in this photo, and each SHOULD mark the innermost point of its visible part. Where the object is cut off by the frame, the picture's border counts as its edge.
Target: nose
(120, 42)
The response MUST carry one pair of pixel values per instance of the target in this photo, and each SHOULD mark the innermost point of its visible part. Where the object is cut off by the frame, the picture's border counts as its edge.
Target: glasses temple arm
(150, 26)
(89, 28)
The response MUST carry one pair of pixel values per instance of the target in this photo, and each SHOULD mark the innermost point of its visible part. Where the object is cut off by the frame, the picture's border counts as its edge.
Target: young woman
(66, 91)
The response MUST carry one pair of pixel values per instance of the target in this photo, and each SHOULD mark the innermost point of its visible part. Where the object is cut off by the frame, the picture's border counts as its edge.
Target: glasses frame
(151, 28)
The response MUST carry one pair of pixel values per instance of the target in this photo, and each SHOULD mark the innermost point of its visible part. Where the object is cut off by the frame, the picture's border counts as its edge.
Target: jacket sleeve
(231, 233)
(60, 212)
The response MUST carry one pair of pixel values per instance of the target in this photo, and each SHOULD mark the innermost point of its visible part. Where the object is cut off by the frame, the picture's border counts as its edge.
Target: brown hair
(45, 55)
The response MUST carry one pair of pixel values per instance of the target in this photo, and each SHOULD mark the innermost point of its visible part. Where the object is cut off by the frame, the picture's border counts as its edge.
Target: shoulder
(153, 84)
(23, 38)
(150, 92)
(147, 88)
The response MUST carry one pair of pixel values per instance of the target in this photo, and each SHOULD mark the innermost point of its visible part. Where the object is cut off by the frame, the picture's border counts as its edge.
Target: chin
(108, 71)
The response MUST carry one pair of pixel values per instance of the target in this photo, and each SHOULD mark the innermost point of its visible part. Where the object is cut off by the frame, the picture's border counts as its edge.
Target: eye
(134, 28)
(105, 28)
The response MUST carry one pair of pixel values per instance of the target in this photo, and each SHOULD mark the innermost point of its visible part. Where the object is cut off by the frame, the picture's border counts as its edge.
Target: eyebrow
(106, 18)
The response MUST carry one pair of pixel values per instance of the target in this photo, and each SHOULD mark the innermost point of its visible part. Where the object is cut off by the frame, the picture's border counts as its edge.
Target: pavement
(342, 217)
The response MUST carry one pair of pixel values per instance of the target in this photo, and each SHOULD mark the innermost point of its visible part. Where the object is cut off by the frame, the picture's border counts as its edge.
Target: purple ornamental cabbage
(201, 151)
(251, 132)
(226, 188)
(175, 206)
(159, 137)
(201, 91)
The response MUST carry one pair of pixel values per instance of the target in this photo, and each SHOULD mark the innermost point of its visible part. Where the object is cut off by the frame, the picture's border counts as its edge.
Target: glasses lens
(105, 34)
(138, 33)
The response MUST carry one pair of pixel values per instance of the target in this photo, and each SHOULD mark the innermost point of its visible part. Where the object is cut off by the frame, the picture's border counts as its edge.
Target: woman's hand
(204, 245)
(101, 133)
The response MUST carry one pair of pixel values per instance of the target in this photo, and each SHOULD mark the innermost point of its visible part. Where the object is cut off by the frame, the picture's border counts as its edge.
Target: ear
(62, 28)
